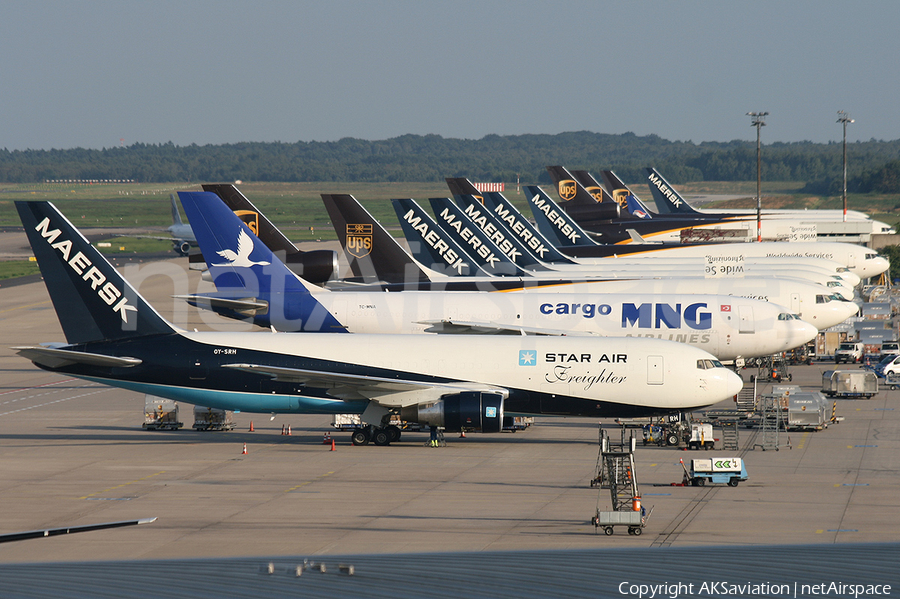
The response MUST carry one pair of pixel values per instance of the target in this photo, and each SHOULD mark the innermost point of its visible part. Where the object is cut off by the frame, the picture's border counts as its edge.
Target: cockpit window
(707, 364)
(834, 284)
(821, 299)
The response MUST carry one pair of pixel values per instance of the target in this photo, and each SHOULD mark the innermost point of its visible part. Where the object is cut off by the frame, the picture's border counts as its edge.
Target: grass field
(297, 206)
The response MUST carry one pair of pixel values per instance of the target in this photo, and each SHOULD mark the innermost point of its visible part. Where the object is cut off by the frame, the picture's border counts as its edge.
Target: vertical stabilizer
(374, 255)
(553, 222)
(92, 300)
(664, 195)
(241, 265)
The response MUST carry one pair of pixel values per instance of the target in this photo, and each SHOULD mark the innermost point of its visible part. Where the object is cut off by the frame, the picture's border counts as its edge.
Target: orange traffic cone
(289, 430)
(332, 445)
(245, 450)
(462, 434)
(282, 429)
(327, 439)
(251, 426)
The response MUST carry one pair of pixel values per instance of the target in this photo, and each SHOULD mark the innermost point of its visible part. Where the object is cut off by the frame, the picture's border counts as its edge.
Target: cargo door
(746, 316)
(655, 370)
(795, 303)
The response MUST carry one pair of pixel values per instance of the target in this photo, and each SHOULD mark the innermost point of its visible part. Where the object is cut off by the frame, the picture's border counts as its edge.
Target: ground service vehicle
(849, 351)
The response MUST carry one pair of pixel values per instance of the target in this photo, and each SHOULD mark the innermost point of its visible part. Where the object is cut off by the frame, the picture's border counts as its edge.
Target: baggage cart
(160, 414)
(634, 520)
(850, 383)
(213, 419)
(893, 380)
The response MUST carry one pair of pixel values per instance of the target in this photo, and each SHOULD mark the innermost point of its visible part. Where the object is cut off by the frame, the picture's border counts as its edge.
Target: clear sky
(89, 73)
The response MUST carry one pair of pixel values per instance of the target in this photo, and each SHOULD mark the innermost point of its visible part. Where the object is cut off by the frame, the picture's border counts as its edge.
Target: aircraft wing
(52, 532)
(393, 392)
(493, 328)
(52, 357)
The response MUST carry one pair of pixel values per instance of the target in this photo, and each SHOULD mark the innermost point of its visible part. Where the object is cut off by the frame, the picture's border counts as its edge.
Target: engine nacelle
(181, 247)
(316, 266)
(469, 410)
(598, 211)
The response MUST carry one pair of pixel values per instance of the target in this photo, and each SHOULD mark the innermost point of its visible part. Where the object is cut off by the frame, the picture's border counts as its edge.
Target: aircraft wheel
(394, 432)
(360, 437)
(672, 439)
(381, 437)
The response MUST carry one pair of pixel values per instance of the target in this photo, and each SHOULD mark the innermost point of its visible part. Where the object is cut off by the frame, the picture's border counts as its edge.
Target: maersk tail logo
(527, 357)
(240, 258)
(106, 290)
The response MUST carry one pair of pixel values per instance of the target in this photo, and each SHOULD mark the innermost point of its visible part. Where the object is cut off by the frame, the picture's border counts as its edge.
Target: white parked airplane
(727, 327)
(458, 381)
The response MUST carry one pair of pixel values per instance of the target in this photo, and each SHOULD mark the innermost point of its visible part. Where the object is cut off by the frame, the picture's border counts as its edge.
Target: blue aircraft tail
(244, 269)
(92, 300)
(636, 208)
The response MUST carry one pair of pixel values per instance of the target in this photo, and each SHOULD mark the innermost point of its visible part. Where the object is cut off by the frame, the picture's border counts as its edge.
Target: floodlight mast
(844, 118)
(758, 119)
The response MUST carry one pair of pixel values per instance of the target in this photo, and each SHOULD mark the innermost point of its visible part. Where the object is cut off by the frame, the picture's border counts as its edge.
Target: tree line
(873, 165)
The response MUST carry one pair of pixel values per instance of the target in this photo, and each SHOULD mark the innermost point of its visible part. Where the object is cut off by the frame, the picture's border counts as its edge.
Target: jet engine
(316, 266)
(598, 211)
(469, 410)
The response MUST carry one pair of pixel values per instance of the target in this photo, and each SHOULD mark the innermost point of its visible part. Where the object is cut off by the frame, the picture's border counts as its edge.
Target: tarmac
(74, 453)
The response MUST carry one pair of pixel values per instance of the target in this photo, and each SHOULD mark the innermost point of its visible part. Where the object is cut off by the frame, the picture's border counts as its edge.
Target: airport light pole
(758, 119)
(844, 118)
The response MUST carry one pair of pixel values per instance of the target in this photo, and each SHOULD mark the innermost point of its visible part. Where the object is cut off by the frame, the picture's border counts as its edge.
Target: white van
(849, 351)
(890, 348)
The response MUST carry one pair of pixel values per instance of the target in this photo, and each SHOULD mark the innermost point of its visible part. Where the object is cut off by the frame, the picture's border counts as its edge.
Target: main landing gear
(378, 435)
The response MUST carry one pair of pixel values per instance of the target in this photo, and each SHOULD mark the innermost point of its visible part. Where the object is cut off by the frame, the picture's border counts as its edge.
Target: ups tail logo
(595, 192)
(249, 218)
(567, 189)
(359, 240)
(621, 196)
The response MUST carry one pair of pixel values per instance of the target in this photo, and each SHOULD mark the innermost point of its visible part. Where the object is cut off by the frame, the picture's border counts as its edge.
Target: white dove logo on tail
(241, 259)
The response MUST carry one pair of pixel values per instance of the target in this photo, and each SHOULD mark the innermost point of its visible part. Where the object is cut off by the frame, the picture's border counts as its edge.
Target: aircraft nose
(875, 266)
(733, 384)
(802, 332)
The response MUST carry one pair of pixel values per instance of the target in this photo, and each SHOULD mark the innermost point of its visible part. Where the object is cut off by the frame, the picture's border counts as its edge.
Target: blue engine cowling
(469, 410)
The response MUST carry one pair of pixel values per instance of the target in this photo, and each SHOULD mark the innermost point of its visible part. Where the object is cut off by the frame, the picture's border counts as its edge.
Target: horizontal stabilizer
(57, 358)
(210, 302)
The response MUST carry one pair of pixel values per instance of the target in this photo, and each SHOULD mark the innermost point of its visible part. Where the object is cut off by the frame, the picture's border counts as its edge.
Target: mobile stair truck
(618, 475)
